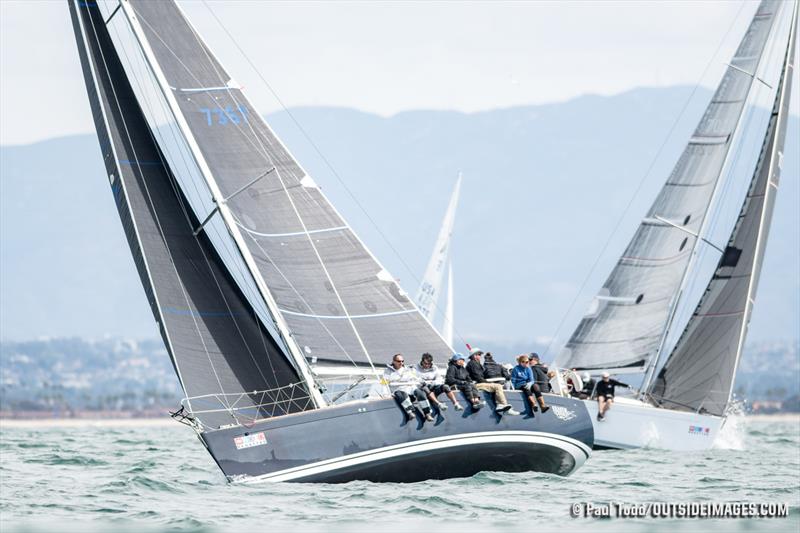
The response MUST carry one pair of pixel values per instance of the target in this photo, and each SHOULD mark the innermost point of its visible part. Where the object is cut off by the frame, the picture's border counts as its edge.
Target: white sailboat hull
(634, 424)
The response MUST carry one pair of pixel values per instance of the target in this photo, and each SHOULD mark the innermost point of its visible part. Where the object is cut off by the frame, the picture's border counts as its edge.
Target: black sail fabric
(626, 321)
(340, 305)
(700, 371)
(218, 348)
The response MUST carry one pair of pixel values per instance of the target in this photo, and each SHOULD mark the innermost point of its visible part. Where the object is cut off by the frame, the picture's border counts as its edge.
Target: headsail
(219, 349)
(449, 310)
(430, 288)
(625, 325)
(338, 303)
(699, 373)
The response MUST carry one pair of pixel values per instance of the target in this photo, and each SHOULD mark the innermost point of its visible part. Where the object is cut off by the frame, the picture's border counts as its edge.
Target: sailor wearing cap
(457, 376)
(605, 394)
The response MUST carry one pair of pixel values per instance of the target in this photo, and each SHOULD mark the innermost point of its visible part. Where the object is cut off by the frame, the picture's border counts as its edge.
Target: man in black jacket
(457, 376)
(540, 373)
(605, 394)
(477, 374)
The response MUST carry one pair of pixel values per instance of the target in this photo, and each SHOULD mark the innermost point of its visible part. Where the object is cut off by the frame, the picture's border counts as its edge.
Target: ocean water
(146, 478)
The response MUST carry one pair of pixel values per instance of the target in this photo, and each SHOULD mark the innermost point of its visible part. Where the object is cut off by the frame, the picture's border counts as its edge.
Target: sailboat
(429, 291)
(686, 391)
(258, 284)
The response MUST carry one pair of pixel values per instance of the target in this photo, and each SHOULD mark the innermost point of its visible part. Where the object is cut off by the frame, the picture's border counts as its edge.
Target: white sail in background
(429, 290)
(447, 328)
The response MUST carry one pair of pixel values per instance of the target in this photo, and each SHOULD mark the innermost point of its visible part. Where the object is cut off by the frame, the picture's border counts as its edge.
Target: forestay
(218, 347)
(699, 373)
(624, 326)
(340, 305)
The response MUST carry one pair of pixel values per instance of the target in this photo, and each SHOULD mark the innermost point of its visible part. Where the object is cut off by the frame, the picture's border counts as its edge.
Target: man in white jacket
(403, 383)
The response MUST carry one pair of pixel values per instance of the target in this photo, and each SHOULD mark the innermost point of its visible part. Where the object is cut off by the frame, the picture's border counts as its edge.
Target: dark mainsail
(699, 373)
(339, 304)
(219, 349)
(626, 324)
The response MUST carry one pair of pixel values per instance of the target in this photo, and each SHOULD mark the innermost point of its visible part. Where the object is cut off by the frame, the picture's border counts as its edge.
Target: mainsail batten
(700, 371)
(626, 323)
(311, 262)
(218, 347)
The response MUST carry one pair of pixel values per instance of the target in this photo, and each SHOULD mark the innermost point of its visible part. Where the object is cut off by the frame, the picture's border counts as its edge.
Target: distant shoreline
(166, 421)
(30, 423)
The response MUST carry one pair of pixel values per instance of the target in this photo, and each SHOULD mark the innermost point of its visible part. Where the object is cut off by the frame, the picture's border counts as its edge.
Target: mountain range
(544, 189)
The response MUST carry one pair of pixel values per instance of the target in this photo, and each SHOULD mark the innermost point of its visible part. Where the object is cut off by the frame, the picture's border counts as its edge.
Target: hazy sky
(390, 56)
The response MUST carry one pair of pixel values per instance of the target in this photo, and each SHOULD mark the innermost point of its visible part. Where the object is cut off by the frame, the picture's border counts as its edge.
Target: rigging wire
(259, 149)
(135, 158)
(173, 183)
(641, 183)
(324, 159)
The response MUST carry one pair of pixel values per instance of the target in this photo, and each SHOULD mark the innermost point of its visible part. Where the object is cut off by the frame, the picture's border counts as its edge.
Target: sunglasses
(399, 360)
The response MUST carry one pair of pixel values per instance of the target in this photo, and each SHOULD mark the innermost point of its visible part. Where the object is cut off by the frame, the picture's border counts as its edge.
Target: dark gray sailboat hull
(370, 440)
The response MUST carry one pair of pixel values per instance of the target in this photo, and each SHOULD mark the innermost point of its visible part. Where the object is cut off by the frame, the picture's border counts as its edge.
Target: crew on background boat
(539, 372)
(605, 394)
(476, 374)
(522, 379)
(433, 383)
(588, 387)
(457, 376)
(402, 382)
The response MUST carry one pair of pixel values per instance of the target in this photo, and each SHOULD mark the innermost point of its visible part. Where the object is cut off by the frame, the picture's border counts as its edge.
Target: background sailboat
(628, 325)
(256, 281)
(430, 292)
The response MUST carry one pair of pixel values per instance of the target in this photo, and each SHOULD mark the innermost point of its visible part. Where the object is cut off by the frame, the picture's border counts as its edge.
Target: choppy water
(161, 478)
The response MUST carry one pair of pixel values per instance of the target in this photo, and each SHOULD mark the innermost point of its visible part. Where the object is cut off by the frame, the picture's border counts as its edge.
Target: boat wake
(731, 435)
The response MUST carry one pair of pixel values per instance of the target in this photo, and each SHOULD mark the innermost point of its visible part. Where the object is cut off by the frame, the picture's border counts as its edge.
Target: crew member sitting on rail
(457, 376)
(539, 372)
(402, 382)
(477, 372)
(522, 379)
(605, 394)
(433, 383)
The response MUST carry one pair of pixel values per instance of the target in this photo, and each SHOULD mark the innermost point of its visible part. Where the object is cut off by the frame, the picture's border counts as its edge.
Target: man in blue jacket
(522, 378)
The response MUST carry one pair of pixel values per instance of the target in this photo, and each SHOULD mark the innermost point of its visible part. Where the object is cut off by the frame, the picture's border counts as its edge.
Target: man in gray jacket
(433, 383)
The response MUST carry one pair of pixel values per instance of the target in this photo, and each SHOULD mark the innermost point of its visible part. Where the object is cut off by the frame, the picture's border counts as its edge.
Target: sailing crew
(402, 382)
(457, 376)
(539, 372)
(588, 387)
(432, 383)
(522, 379)
(605, 394)
(477, 373)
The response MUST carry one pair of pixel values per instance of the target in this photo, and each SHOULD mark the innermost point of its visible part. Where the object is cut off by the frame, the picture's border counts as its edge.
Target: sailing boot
(545, 408)
(425, 408)
(534, 408)
(408, 407)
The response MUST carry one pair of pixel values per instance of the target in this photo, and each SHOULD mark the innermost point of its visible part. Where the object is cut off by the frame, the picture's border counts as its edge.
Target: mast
(625, 328)
(701, 369)
(221, 205)
(228, 365)
(673, 312)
